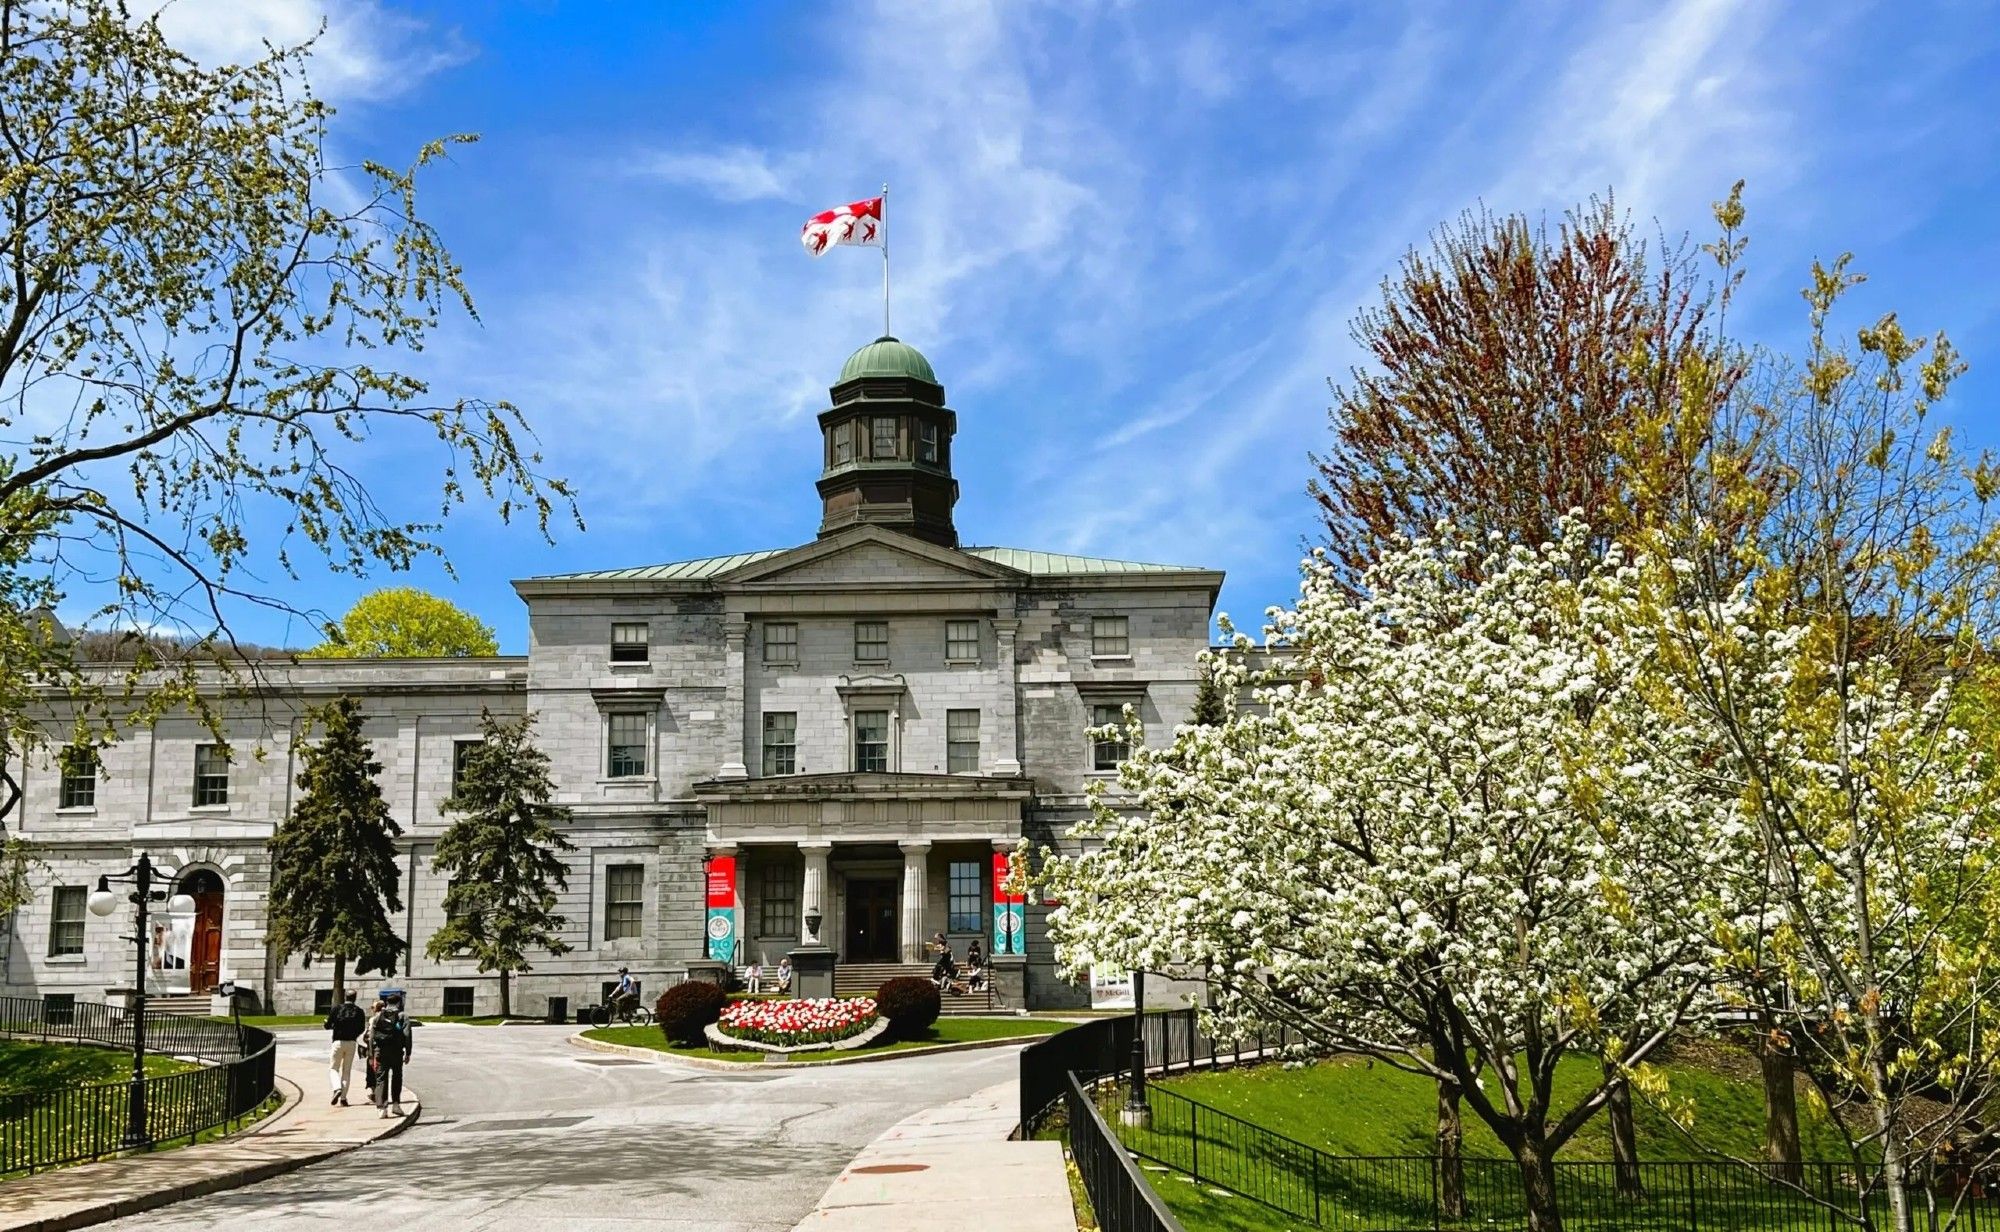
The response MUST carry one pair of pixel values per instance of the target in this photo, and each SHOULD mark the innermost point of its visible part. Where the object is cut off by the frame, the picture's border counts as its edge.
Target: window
(871, 641)
(871, 740)
(624, 900)
(927, 441)
(961, 641)
(968, 897)
(961, 740)
(1106, 754)
(322, 1001)
(777, 899)
(842, 436)
(461, 754)
(882, 437)
(458, 1001)
(629, 642)
(1110, 635)
(79, 777)
(211, 774)
(59, 1008)
(781, 743)
(628, 746)
(781, 643)
(66, 921)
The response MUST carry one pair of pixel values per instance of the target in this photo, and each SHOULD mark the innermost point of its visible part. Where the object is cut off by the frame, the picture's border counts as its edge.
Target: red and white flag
(858, 222)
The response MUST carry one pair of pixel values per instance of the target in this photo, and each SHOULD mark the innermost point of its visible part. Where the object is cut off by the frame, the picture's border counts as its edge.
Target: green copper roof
(1035, 564)
(887, 356)
(1058, 564)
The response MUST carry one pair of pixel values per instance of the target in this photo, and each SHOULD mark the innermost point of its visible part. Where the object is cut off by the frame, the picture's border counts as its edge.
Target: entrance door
(872, 934)
(205, 946)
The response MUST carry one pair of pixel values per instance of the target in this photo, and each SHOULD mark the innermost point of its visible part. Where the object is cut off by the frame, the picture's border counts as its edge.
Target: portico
(887, 860)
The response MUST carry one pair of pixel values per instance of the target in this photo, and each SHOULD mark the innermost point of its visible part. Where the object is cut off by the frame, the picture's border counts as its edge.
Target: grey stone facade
(725, 643)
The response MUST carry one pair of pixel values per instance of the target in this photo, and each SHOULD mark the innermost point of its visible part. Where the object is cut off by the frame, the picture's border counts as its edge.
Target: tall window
(842, 436)
(628, 746)
(882, 437)
(961, 736)
(629, 641)
(624, 900)
(79, 777)
(961, 641)
(781, 742)
(211, 774)
(66, 921)
(927, 441)
(871, 641)
(871, 740)
(1110, 635)
(777, 898)
(1106, 754)
(461, 755)
(781, 642)
(968, 897)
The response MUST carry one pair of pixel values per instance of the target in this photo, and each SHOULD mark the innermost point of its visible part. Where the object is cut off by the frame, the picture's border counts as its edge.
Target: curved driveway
(521, 1129)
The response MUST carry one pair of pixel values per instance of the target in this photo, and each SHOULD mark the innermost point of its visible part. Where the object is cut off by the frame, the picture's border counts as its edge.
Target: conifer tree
(334, 879)
(1208, 708)
(502, 851)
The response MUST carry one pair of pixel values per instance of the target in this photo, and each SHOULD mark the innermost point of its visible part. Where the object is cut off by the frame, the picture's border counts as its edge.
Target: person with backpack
(390, 1045)
(346, 1022)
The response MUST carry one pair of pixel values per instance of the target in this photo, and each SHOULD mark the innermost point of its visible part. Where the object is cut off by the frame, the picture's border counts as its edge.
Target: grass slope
(947, 1031)
(29, 1068)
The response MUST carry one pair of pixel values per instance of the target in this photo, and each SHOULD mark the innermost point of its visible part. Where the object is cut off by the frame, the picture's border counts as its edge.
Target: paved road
(523, 1130)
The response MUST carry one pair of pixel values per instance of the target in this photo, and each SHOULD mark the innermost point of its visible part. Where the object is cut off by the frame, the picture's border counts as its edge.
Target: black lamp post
(1136, 1110)
(102, 903)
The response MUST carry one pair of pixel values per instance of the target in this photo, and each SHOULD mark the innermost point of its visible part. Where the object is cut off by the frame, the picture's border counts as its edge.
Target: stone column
(735, 663)
(1007, 750)
(916, 853)
(813, 894)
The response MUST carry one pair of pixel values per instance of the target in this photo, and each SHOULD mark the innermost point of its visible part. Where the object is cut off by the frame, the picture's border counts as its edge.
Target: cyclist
(625, 997)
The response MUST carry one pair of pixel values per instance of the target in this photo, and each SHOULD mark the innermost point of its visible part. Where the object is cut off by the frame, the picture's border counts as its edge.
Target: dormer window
(882, 437)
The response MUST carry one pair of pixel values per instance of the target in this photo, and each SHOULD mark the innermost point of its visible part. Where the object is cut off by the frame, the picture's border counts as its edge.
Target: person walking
(347, 1022)
(390, 1044)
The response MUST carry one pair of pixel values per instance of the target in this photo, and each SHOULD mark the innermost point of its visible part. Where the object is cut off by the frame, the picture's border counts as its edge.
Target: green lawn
(32, 1068)
(947, 1031)
(1353, 1110)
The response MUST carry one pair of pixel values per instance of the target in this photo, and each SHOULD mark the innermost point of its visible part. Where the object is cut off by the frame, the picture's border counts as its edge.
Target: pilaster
(735, 663)
(812, 894)
(1005, 722)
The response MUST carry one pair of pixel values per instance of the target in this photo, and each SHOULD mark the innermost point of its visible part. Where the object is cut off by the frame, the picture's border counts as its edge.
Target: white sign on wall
(1110, 990)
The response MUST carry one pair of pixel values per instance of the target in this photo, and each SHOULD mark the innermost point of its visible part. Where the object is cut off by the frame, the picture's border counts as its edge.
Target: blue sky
(1129, 236)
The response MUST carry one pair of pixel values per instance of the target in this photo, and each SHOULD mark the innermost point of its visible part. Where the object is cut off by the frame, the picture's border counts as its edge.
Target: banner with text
(1010, 912)
(722, 908)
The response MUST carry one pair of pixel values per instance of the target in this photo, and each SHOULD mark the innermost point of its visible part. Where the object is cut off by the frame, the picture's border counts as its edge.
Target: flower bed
(791, 1024)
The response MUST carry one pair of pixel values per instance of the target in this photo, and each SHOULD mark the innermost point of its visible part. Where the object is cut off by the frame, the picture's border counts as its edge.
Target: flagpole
(885, 260)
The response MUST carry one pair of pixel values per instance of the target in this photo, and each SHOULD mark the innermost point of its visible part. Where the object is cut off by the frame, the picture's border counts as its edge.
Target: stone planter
(722, 1042)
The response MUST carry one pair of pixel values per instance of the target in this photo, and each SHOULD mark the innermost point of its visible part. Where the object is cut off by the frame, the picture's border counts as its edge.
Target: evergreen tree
(333, 861)
(1208, 708)
(502, 852)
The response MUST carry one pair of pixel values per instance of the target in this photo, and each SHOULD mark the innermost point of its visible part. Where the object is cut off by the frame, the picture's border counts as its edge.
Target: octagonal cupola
(887, 440)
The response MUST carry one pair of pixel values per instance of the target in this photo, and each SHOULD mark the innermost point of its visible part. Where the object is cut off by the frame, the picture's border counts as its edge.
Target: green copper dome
(887, 356)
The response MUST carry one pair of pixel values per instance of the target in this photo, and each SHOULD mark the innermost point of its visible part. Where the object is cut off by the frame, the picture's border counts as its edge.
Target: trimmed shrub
(686, 1008)
(910, 1004)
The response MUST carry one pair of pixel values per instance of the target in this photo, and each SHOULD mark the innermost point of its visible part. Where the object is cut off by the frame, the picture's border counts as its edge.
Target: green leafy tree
(333, 861)
(405, 622)
(502, 851)
(201, 320)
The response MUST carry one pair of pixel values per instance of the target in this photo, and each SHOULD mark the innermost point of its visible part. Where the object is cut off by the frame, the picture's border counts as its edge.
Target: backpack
(388, 1037)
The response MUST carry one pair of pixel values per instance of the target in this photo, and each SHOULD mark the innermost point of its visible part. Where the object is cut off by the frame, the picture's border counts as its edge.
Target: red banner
(1000, 894)
(722, 881)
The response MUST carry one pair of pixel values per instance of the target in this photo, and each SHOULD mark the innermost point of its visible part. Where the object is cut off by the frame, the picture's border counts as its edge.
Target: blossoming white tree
(1454, 840)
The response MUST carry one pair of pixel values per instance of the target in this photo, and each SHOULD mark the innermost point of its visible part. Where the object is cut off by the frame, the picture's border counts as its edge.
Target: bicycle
(634, 1015)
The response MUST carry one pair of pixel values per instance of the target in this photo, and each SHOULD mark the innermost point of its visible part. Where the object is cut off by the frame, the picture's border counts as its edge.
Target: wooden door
(871, 922)
(205, 952)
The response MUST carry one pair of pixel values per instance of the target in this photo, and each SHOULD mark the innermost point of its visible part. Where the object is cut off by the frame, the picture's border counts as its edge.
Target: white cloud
(737, 173)
(366, 51)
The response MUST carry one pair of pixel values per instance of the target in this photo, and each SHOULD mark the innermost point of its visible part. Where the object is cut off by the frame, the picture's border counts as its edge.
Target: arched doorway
(205, 945)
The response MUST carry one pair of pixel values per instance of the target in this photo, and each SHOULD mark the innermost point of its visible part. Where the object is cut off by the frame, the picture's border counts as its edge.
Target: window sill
(76, 810)
(632, 667)
(871, 663)
(961, 663)
(210, 808)
(1121, 658)
(67, 960)
(628, 780)
(775, 663)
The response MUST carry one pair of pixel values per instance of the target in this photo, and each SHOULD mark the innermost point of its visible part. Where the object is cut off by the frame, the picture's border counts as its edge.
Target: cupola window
(883, 437)
(842, 437)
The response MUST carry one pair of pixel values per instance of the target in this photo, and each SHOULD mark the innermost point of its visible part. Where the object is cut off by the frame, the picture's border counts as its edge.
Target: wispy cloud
(365, 51)
(736, 173)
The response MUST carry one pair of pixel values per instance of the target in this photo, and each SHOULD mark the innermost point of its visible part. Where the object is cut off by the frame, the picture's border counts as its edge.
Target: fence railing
(1174, 1042)
(1119, 1195)
(1407, 1193)
(46, 1129)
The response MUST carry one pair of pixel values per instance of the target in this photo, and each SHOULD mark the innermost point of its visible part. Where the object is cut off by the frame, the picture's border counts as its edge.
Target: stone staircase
(195, 1004)
(862, 979)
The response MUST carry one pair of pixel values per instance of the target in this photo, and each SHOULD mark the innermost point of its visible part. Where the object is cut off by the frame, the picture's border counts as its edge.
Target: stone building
(851, 728)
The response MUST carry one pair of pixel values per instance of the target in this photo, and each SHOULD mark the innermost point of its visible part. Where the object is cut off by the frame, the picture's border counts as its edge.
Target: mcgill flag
(859, 222)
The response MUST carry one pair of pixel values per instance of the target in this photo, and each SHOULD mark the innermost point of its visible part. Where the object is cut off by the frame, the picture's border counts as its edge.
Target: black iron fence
(45, 1129)
(1408, 1193)
(1119, 1195)
(1174, 1042)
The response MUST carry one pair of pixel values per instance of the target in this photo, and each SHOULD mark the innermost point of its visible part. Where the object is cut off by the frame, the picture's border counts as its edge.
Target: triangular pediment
(870, 556)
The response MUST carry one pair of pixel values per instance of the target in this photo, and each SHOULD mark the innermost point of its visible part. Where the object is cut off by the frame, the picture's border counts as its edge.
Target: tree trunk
(1538, 1187)
(506, 1007)
(1781, 1107)
(1624, 1135)
(339, 978)
(1451, 1162)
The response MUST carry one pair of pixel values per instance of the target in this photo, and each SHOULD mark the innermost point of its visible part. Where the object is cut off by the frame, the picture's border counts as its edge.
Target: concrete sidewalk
(306, 1130)
(951, 1166)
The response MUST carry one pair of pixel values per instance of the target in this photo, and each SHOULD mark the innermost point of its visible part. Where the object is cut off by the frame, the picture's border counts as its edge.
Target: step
(196, 1004)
